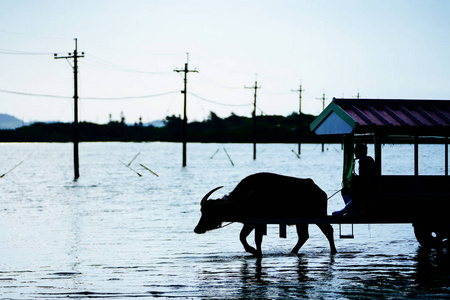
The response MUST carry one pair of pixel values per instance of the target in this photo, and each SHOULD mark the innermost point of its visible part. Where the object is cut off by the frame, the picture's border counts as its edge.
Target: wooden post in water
(75, 57)
(255, 87)
(184, 130)
(299, 119)
(323, 104)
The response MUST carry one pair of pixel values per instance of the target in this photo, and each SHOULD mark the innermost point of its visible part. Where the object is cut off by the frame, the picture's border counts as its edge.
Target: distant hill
(157, 124)
(9, 122)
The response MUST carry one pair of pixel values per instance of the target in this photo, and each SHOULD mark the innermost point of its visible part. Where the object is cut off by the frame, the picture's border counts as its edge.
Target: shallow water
(114, 234)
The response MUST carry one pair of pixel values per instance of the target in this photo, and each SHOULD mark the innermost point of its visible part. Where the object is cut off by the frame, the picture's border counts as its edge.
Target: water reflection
(317, 275)
(432, 268)
(282, 276)
(252, 278)
(302, 269)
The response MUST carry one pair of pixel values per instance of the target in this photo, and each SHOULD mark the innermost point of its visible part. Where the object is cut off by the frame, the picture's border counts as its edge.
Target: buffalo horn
(209, 194)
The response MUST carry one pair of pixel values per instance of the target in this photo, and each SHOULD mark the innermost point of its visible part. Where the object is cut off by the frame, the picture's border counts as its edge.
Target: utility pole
(255, 87)
(184, 135)
(323, 108)
(299, 118)
(75, 57)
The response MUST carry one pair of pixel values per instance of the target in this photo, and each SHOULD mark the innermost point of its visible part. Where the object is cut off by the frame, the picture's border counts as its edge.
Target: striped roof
(388, 116)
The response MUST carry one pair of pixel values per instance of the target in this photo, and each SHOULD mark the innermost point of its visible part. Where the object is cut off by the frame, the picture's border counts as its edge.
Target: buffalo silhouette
(267, 195)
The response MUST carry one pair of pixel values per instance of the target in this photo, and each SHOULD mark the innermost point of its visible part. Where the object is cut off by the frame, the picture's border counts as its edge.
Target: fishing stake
(130, 168)
(228, 156)
(149, 170)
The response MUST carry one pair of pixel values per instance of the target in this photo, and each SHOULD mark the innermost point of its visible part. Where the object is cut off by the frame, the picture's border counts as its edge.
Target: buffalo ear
(205, 198)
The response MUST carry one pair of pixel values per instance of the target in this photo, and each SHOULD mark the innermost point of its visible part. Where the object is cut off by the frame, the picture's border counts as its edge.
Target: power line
(218, 103)
(101, 63)
(129, 97)
(19, 52)
(209, 81)
(34, 95)
(87, 98)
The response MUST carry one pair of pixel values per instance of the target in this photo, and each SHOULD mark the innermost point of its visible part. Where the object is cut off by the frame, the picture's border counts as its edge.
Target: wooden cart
(422, 200)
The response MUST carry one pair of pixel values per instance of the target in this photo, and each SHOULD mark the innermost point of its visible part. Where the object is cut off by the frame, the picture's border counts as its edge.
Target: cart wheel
(432, 236)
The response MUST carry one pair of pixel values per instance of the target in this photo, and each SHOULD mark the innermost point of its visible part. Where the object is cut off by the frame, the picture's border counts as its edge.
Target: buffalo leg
(259, 232)
(327, 229)
(246, 230)
(303, 236)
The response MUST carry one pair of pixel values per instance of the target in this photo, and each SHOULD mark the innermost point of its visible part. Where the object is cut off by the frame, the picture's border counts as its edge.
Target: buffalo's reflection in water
(347, 274)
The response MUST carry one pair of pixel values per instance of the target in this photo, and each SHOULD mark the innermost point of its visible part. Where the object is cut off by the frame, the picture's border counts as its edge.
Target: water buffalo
(267, 195)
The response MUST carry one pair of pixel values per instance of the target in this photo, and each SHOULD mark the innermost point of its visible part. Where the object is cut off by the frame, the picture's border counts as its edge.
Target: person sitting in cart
(362, 186)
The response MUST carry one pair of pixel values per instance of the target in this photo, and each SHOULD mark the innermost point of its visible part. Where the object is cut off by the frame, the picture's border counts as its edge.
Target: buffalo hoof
(253, 251)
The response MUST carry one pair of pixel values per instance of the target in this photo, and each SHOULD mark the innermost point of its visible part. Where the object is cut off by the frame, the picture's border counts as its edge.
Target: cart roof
(385, 116)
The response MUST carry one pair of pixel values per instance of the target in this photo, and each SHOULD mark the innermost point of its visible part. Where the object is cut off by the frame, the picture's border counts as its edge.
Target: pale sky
(381, 49)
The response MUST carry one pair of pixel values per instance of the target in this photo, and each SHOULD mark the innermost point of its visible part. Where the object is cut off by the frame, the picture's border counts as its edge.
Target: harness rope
(334, 194)
(222, 226)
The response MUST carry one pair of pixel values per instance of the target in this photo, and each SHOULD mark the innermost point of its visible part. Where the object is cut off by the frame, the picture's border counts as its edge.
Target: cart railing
(410, 197)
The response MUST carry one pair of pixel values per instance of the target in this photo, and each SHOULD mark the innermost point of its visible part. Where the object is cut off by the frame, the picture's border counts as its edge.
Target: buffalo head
(209, 219)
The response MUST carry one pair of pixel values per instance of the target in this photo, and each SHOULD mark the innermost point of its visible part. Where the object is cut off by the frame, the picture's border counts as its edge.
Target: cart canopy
(384, 116)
